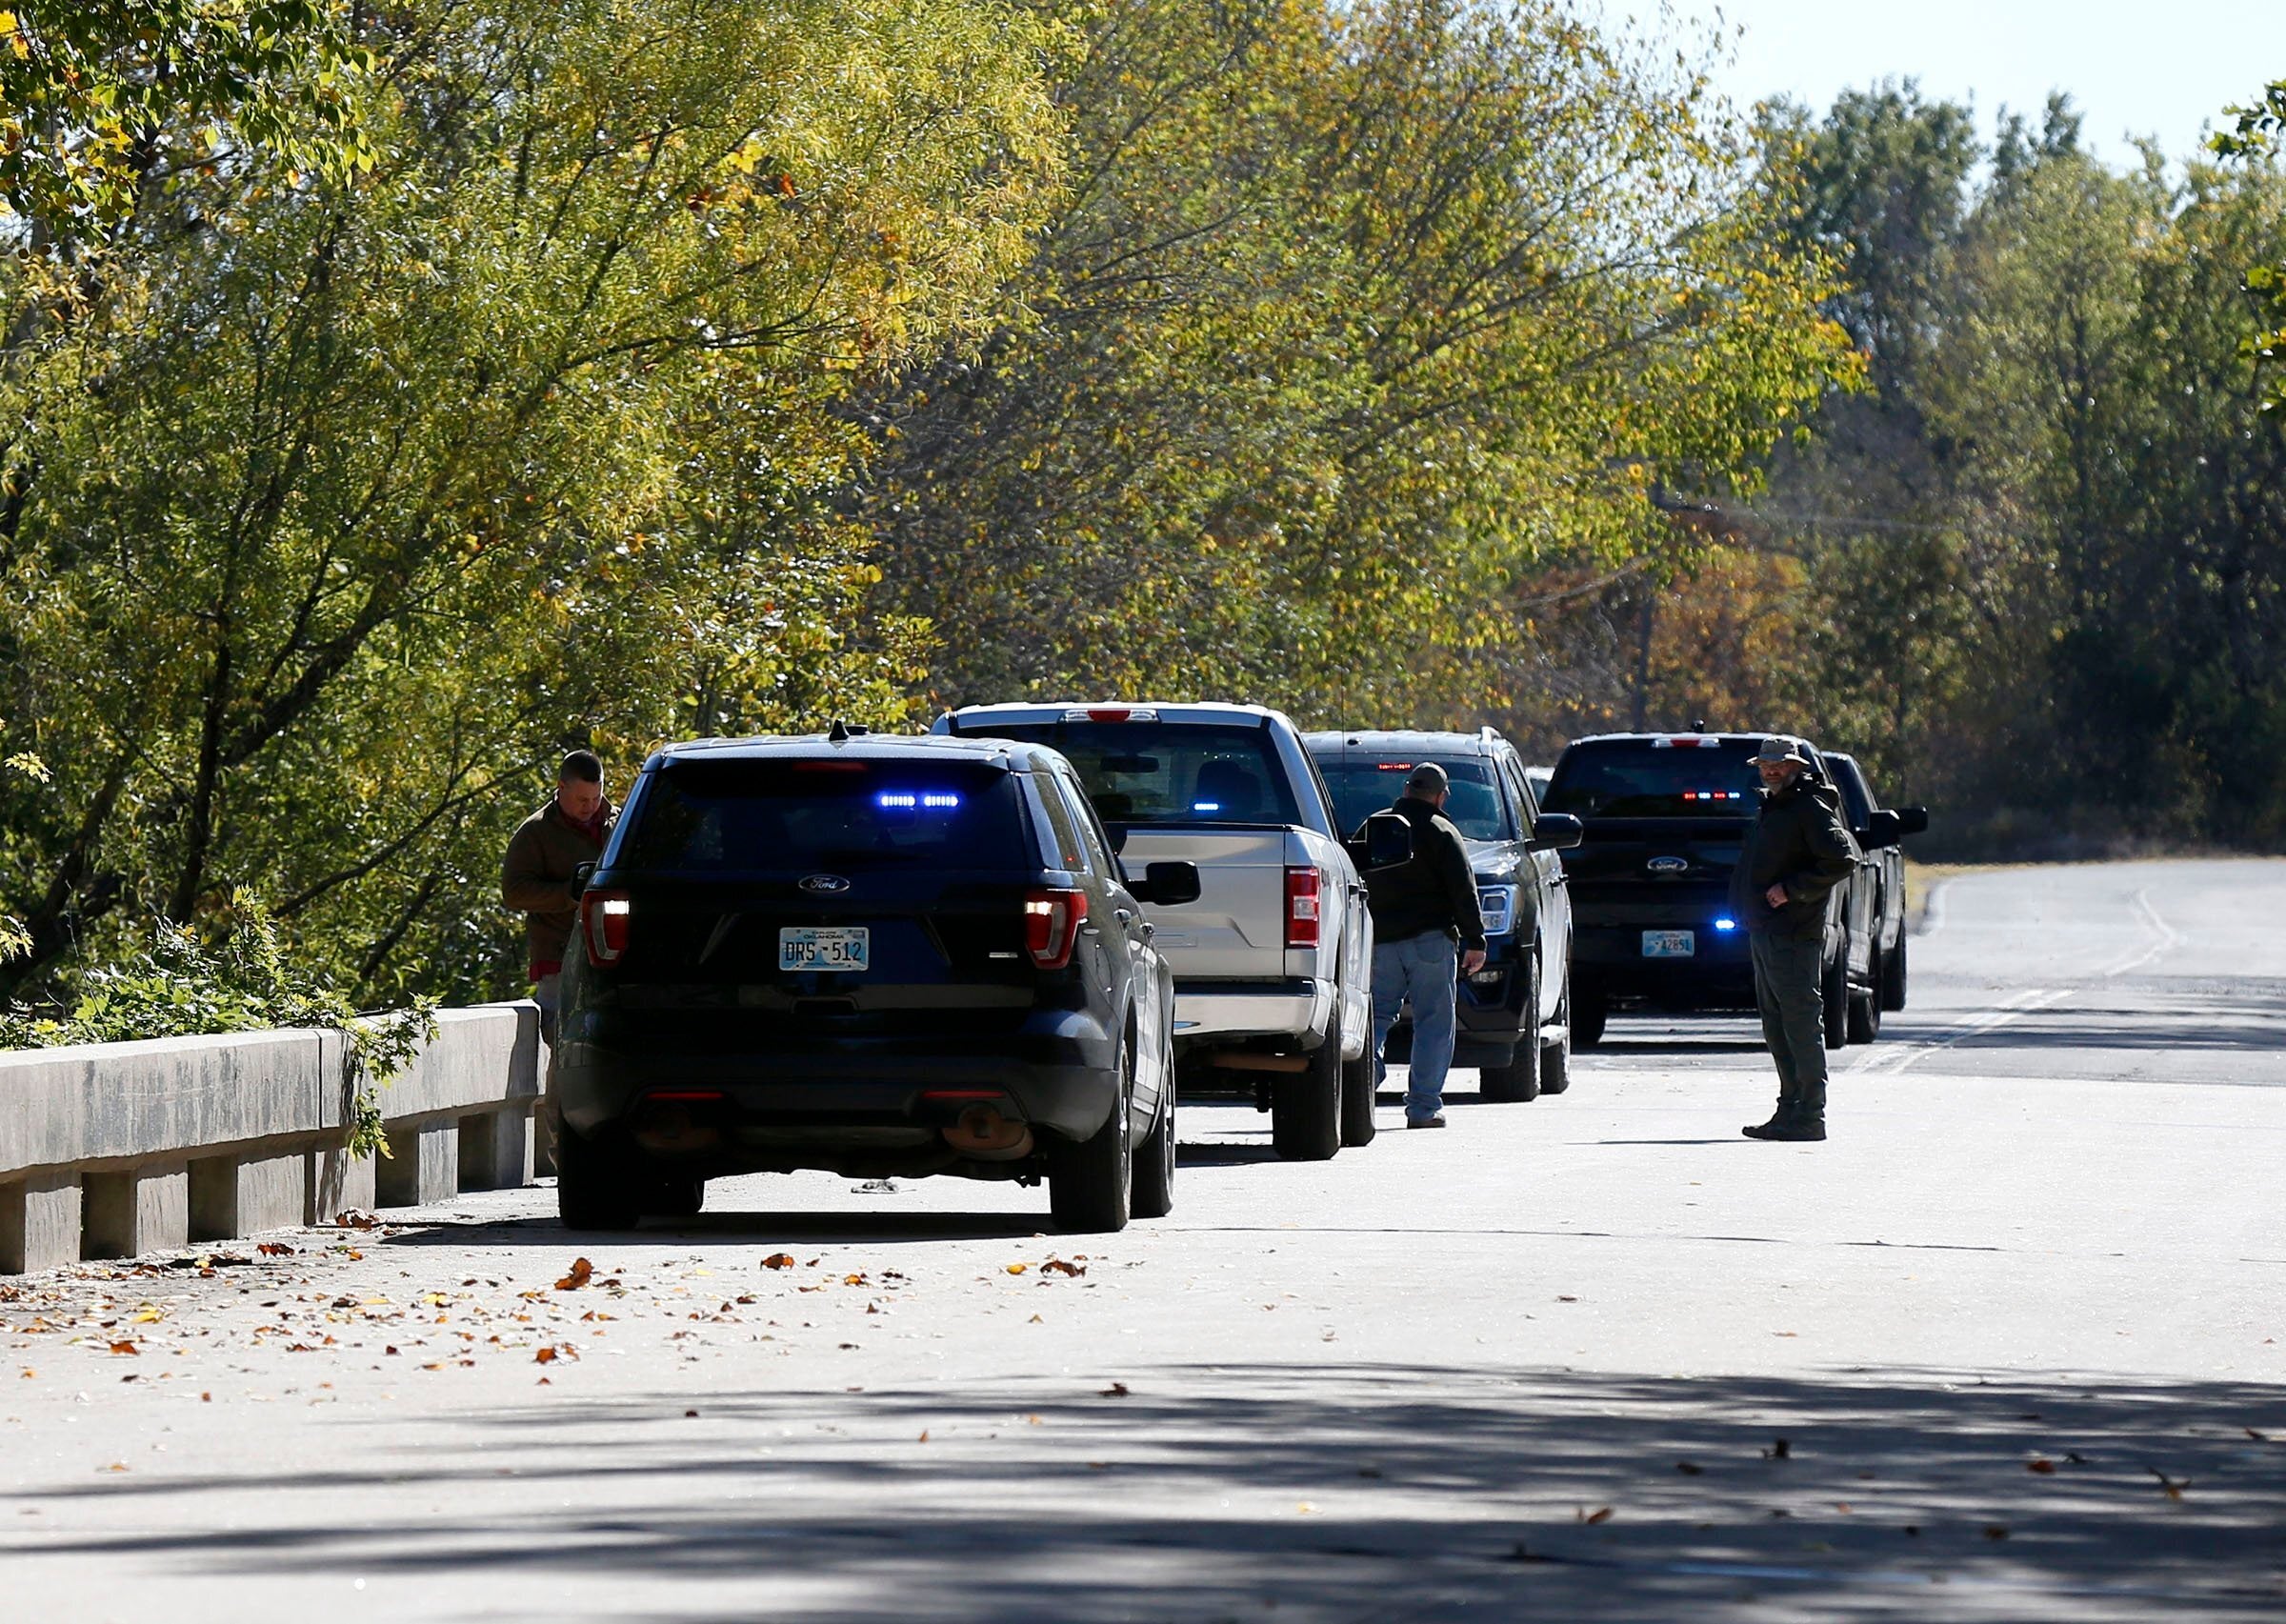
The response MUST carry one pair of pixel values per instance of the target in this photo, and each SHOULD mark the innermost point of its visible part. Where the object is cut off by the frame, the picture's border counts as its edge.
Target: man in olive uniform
(539, 875)
(1798, 851)
(1428, 932)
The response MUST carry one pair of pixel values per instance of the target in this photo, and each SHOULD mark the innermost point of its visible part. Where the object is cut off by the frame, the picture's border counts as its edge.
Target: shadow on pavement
(1336, 1493)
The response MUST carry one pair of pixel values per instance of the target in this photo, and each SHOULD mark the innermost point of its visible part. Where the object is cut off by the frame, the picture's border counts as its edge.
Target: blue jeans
(1424, 972)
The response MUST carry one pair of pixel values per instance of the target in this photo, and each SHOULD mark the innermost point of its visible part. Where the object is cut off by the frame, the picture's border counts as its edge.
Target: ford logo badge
(1669, 864)
(825, 884)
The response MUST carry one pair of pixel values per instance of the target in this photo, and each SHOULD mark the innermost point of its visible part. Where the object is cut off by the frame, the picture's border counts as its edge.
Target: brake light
(1111, 714)
(1301, 907)
(603, 916)
(1051, 925)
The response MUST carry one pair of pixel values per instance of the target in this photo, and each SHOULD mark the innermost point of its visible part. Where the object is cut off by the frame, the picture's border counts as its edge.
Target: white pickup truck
(1273, 963)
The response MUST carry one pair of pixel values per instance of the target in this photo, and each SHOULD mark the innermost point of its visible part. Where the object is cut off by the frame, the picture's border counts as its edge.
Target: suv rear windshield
(698, 816)
(1363, 786)
(1647, 778)
(1167, 773)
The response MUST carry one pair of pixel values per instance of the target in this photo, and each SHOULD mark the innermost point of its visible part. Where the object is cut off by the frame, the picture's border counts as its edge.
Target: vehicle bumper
(1492, 1014)
(1058, 1071)
(1608, 960)
(1298, 1007)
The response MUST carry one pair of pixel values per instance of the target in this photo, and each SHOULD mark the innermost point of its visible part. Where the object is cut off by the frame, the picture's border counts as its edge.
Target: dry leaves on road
(778, 1260)
(582, 1272)
(1601, 1514)
(1117, 1390)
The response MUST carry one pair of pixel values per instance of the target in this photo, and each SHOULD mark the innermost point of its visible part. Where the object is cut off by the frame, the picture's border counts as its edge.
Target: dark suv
(876, 956)
(1886, 861)
(1516, 1011)
(1667, 817)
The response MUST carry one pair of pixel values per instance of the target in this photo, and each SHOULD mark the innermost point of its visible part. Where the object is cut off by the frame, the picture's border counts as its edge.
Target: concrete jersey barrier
(110, 1150)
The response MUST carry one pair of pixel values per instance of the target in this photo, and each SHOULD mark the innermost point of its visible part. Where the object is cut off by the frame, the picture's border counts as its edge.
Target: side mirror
(1556, 832)
(1116, 834)
(1169, 885)
(1882, 830)
(581, 876)
(1385, 841)
(1912, 820)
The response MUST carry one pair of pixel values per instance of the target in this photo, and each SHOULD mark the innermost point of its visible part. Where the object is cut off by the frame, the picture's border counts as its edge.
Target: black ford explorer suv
(877, 956)
(1667, 817)
(1514, 1013)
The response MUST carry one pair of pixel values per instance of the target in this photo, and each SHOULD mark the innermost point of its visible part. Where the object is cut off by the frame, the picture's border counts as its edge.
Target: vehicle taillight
(603, 921)
(1301, 907)
(1051, 925)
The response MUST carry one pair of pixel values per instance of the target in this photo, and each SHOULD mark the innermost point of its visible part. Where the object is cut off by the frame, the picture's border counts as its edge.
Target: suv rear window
(1363, 785)
(698, 816)
(1650, 778)
(1167, 773)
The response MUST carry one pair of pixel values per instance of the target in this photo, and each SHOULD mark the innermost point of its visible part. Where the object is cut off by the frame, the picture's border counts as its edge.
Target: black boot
(1780, 1120)
(1808, 1120)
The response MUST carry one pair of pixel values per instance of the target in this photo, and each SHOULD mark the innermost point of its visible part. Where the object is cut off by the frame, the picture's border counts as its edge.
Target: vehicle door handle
(1125, 916)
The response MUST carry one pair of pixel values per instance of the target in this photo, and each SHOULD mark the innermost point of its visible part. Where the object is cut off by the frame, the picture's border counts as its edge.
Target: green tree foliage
(2257, 137)
(338, 502)
(98, 97)
(1353, 316)
(2033, 571)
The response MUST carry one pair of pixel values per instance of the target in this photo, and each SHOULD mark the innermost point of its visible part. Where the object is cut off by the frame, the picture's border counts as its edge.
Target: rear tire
(1153, 1196)
(1834, 994)
(676, 1196)
(1305, 1107)
(1556, 1058)
(1089, 1181)
(594, 1189)
(1589, 1011)
(1893, 976)
(1357, 1099)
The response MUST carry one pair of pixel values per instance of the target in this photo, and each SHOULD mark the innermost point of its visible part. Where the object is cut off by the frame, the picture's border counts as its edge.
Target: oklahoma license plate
(1669, 944)
(812, 947)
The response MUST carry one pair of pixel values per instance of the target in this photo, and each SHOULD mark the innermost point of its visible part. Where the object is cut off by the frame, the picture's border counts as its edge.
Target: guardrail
(110, 1150)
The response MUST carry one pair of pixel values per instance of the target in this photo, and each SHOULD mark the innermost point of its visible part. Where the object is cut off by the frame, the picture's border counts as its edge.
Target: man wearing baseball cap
(1428, 932)
(1798, 851)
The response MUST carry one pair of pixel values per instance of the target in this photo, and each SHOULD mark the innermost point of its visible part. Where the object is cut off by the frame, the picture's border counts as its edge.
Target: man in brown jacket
(538, 874)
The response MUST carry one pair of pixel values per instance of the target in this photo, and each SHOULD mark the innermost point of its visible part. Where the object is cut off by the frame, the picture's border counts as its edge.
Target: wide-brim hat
(1779, 748)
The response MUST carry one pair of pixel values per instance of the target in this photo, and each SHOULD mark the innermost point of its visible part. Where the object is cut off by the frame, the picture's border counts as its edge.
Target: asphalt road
(2007, 1345)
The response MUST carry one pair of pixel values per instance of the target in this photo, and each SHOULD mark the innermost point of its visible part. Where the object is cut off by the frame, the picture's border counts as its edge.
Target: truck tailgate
(1237, 929)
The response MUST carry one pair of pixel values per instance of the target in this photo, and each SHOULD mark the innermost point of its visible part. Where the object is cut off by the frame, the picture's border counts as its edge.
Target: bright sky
(2133, 66)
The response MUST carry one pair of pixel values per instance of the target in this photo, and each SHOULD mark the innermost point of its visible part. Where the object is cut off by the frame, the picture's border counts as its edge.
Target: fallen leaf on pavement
(124, 1347)
(1057, 1265)
(354, 1219)
(544, 1356)
(778, 1260)
(924, 1435)
(1601, 1514)
(1780, 1449)
(275, 1249)
(2259, 1438)
(2168, 1486)
(2042, 1467)
(582, 1272)
(1017, 1268)
(1994, 1531)
(1117, 1390)
(1689, 1469)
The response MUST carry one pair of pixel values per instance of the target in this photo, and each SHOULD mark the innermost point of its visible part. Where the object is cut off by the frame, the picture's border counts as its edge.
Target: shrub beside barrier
(110, 1150)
